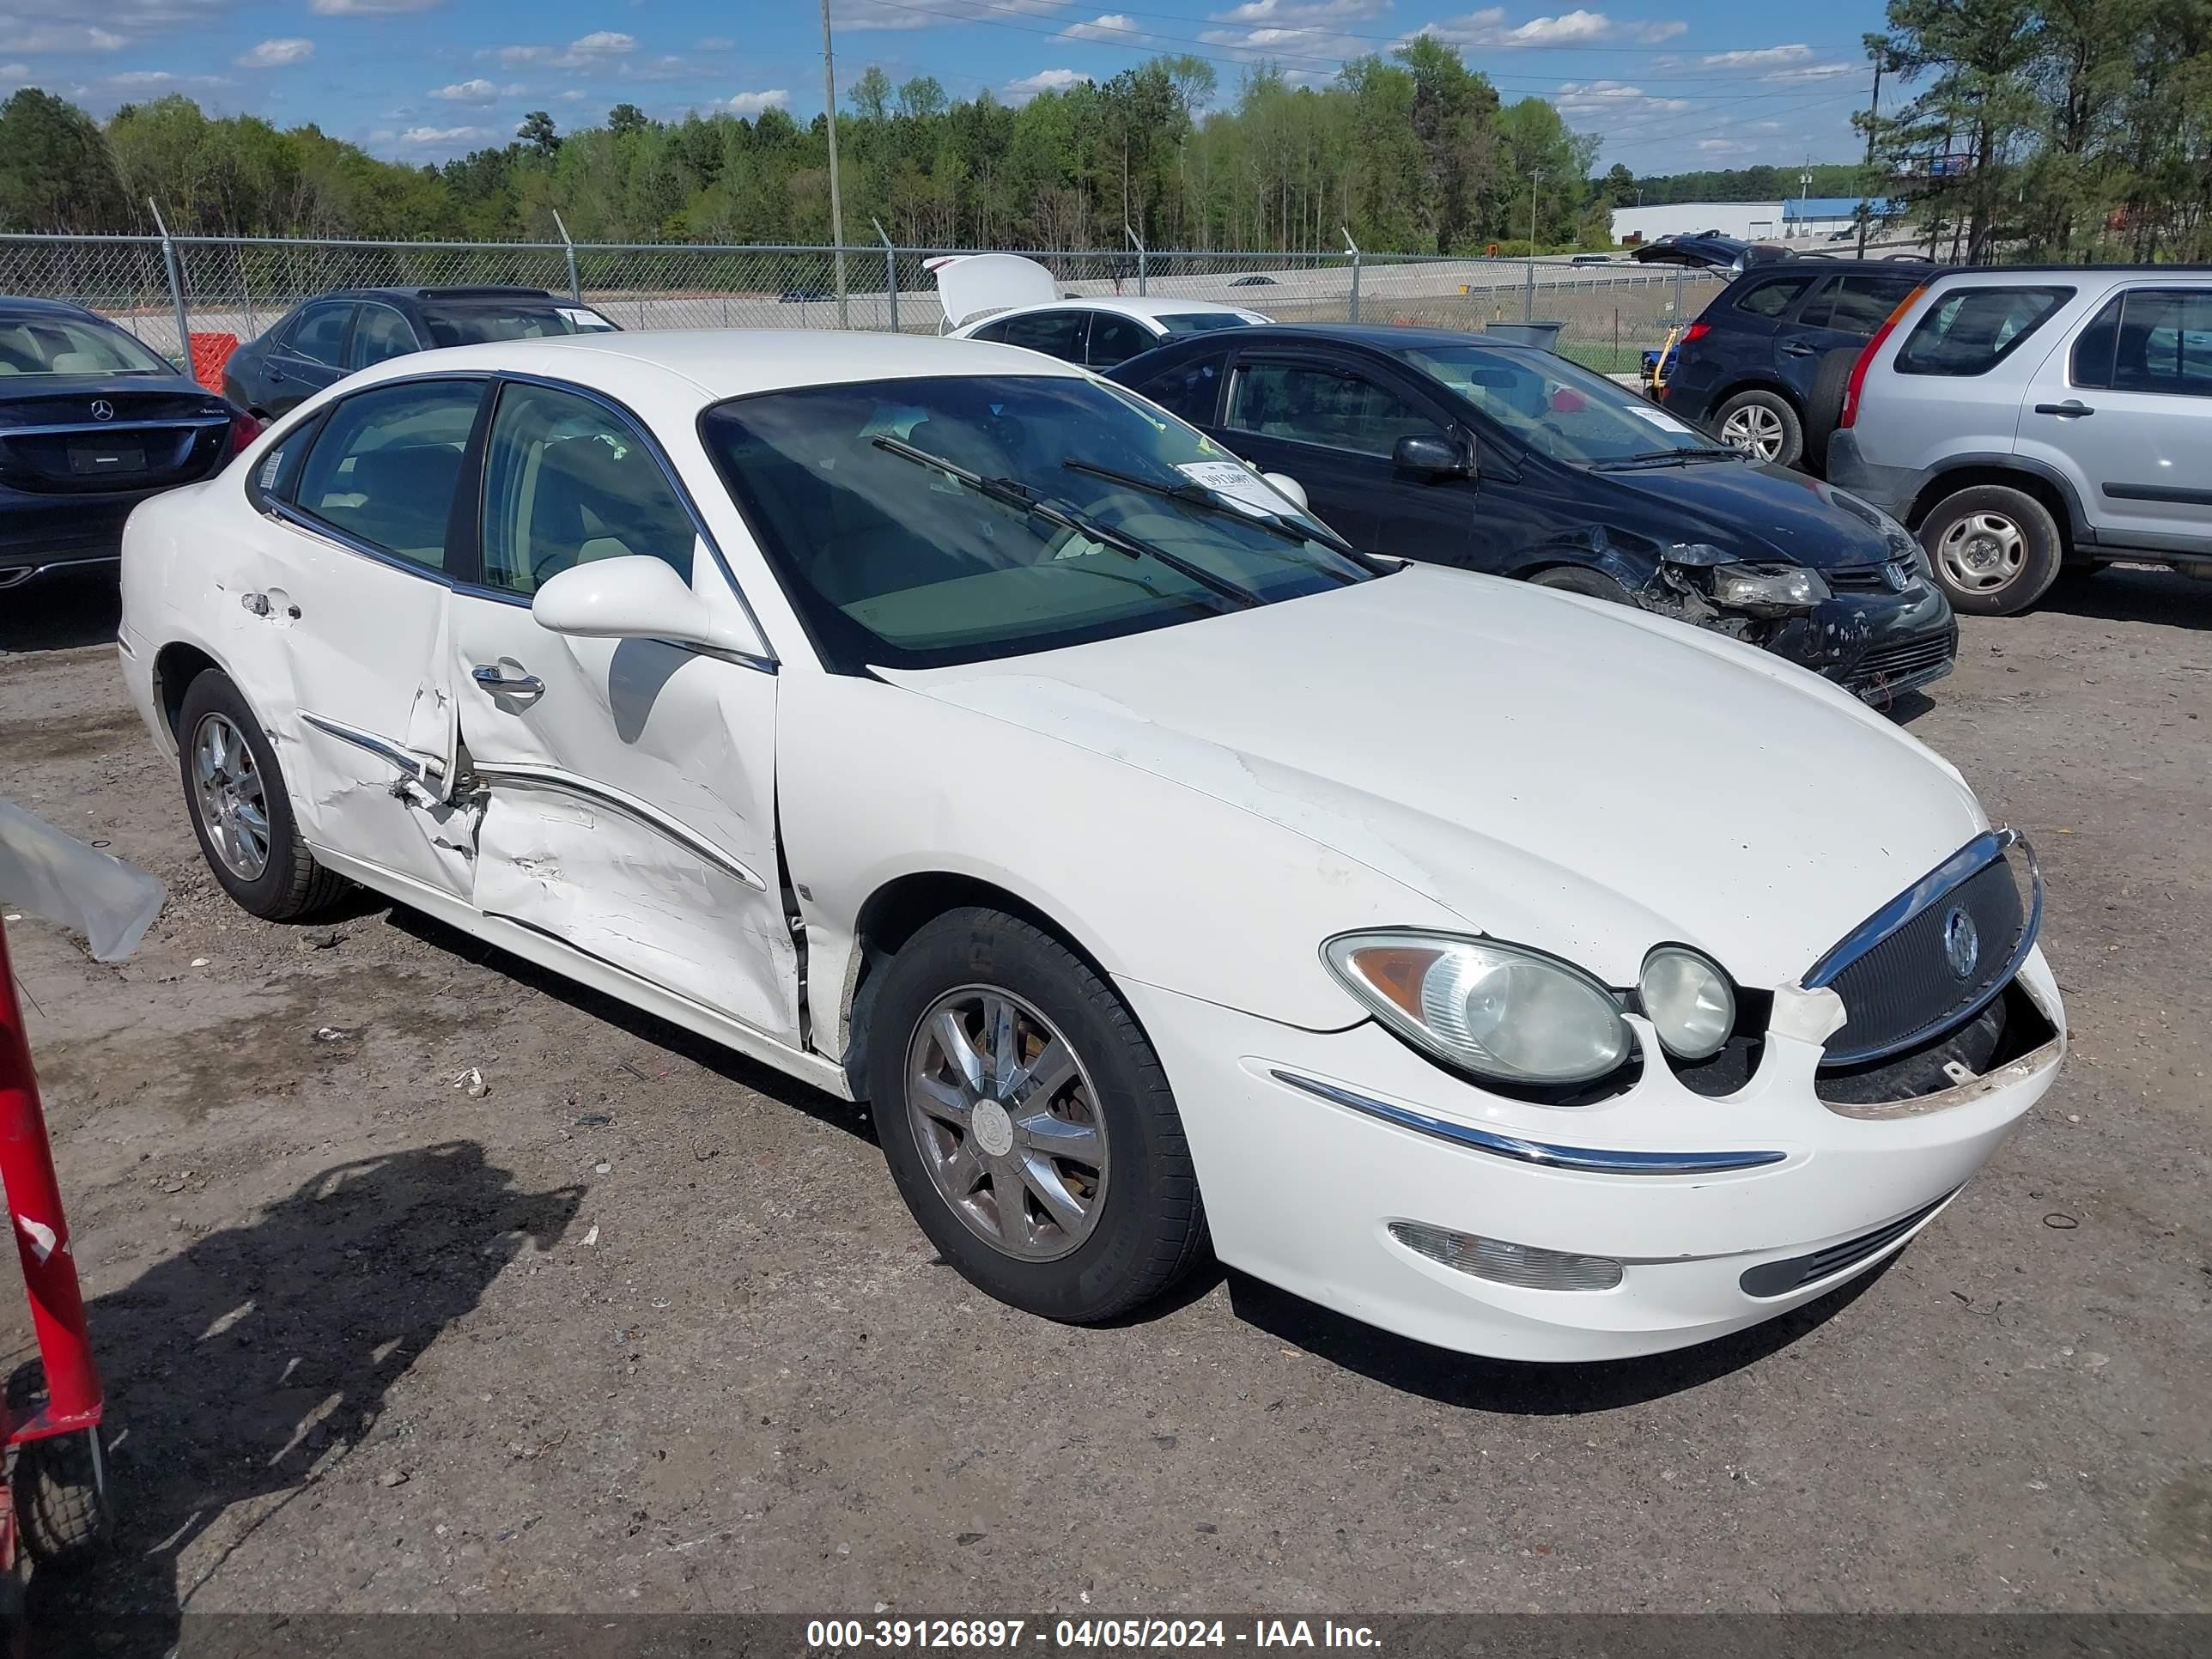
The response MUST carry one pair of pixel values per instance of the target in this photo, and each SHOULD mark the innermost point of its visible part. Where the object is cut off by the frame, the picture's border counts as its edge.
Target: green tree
(625, 118)
(56, 173)
(538, 132)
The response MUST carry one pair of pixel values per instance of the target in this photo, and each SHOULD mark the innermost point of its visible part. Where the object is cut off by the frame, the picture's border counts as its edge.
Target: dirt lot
(646, 1327)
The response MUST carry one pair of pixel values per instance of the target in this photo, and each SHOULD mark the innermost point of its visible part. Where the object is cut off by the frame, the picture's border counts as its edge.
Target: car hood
(1582, 777)
(1752, 512)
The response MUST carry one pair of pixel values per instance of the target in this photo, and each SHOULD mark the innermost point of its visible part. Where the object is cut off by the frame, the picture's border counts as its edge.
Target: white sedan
(1004, 298)
(956, 732)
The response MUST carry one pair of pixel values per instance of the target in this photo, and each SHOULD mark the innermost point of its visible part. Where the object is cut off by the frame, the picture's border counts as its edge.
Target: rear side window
(320, 335)
(1857, 304)
(1772, 299)
(1115, 338)
(2149, 340)
(1057, 332)
(384, 466)
(1191, 390)
(480, 325)
(1973, 330)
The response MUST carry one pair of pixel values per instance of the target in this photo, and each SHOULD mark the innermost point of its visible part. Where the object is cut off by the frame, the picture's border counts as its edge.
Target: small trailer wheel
(61, 1499)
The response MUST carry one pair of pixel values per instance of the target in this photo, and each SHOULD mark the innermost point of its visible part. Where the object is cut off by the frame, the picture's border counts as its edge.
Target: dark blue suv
(1745, 369)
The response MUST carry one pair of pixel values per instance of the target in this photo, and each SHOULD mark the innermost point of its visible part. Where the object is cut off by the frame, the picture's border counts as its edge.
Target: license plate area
(99, 460)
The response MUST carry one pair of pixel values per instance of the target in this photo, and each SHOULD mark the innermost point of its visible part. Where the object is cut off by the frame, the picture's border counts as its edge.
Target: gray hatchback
(2029, 420)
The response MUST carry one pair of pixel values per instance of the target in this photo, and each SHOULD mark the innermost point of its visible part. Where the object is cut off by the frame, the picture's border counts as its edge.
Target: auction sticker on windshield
(1236, 484)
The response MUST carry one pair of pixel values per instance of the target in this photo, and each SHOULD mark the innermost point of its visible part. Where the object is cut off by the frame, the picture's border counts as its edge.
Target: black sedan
(322, 340)
(91, 423)
(1452, 449)
(1707, 250)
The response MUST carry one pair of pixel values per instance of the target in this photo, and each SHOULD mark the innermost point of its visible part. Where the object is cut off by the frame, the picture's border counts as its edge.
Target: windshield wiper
(1190, 490)
(1011, 492)
(1667, 457)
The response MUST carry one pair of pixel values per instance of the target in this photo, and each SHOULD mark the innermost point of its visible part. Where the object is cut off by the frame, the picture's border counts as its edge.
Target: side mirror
(1437, 457)
(633, 597)
(1286, 485)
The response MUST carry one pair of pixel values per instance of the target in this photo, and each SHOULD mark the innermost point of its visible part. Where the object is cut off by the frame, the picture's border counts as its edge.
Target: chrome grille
(1934, 955)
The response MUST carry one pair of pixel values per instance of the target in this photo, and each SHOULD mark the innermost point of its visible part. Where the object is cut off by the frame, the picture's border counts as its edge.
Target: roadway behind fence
(161, 288)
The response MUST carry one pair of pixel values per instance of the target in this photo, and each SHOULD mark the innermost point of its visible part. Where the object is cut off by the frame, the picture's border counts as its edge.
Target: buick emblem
(1962, 944)
(102, 410)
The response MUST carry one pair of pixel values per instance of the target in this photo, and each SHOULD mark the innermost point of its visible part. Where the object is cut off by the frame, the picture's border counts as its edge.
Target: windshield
(478, 324)
(1559, 408)
(892, 560)
(1198, 322)
(34, 343)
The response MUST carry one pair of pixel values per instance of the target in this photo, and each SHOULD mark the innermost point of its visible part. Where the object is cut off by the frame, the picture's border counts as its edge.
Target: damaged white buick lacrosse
(961, 734)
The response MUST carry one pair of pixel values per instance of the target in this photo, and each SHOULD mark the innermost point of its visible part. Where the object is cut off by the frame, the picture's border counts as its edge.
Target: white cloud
(716, 43)
(1721, 146)
(749, 104)
(1301, 11)
(1613, 99)
(573, 95)
(478, 91)
(604, 42)
(1114, 26)
(368, 8)
(417, 135)
(16, 35)
(163, 78)
(277, 54)
(1763, 55)
(1051, 80)
(856, 14)
(1487, 27)
(1816, 72)
(14, 72)
(594, 50)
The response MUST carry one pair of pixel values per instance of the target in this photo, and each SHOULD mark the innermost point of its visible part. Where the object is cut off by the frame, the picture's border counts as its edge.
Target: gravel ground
(645, 1327)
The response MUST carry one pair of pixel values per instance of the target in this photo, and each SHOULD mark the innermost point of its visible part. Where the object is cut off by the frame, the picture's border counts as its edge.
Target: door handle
(2072, 408)
(1796, 350)
(276, 373)
(497, 681)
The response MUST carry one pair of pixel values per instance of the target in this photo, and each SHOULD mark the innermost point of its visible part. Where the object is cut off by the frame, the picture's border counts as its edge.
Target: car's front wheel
(1994, 550)
(1028, 1122)
(235, 791)
(1763, 425)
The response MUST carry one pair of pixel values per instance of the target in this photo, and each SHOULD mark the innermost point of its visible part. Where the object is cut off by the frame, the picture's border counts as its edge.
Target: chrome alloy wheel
(234, 805)
(1755, 429)
(1982, 552)
(1007, 1123)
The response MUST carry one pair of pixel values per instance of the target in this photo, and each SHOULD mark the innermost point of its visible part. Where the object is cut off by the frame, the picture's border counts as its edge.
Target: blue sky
(1723, 83)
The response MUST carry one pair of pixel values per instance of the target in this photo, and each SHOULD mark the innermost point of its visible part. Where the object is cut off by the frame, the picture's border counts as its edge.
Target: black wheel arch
(176, 666)
(2037, 478)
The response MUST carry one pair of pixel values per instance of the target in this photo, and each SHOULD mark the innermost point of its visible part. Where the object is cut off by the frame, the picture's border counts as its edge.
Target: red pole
(34, 1214)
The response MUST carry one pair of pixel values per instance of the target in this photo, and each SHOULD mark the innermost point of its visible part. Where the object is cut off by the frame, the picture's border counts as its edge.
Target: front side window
(382, 332)
(1332, 407)
(46, 343)
(1772, 299)
(1560, 408)
(1972, 331)
(320, 335)
(385, 464)
(568, 481)
(1056, 333)
(2149, 340)
(891, 561)
(1192, 389)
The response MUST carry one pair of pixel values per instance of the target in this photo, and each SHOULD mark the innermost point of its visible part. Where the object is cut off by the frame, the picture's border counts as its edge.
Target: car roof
(47, 307)
(2005, 273)
(1146, 307)
(485, 295)
(1773, 268)
(1391, 337)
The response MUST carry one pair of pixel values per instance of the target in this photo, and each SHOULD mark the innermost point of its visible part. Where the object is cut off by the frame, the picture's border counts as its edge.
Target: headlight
(1789, 585)
(1688, 1001)
(1496, 1010)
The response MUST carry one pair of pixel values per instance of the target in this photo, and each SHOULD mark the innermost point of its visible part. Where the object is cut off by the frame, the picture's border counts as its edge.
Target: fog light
(1524, 1265)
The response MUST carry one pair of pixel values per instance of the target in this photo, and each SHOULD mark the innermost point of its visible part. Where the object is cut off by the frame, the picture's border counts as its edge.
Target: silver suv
(2029, 420)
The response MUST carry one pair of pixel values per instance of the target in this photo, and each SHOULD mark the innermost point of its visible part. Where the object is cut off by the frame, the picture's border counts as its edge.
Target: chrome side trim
(1968, 861)
(16, 575)
(600, 795)
(196, 422)
(421, 769)
(1585, 1160)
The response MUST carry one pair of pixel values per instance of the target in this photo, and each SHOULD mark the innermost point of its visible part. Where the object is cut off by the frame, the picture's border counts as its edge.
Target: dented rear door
(627, 787)
(352, 589)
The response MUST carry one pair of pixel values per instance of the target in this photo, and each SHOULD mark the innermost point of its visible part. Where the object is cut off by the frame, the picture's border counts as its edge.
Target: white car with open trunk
(957, 732)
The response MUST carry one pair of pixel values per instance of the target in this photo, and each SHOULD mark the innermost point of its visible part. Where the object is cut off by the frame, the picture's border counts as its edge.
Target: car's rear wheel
(1763, 425)
(1994, 550)
(234, 792)
(1028, 1122)
(1831, 380)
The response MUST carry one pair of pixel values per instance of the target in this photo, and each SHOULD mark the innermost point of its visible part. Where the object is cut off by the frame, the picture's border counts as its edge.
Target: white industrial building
(1748, 221)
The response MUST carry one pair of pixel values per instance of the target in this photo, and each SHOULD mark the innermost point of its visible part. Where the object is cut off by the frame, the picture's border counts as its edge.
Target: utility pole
(836, 202)
(1873, 121)
(1534, 178)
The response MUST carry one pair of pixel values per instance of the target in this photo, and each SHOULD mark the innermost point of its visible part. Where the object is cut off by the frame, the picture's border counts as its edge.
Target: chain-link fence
(162, 290)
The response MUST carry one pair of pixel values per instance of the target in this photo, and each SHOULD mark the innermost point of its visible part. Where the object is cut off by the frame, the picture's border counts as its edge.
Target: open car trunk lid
(970, 284)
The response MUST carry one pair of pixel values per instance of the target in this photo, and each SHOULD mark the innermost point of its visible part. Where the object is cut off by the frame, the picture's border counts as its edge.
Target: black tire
(2041, 550)
(1777, 411)
(1149, 1230)
(1573, 579)
(291, 886)
(64, 1516)
(1826, 406)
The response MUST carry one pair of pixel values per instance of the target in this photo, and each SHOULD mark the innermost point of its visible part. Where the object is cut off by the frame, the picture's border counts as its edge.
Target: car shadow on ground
(59, 613)
(2133, 594)
(1517, 1390)
(249, 1367)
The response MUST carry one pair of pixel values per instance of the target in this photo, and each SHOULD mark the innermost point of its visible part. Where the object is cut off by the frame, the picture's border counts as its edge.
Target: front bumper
(1875, 646)
(1301, 1187)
